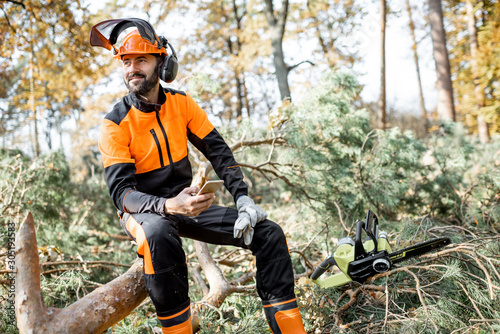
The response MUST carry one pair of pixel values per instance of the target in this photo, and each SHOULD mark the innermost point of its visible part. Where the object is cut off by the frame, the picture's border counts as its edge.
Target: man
(143, 142)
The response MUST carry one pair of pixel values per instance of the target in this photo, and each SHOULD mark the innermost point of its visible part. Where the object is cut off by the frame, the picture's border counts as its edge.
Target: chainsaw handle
(359, 250)
(370, 226)
(324, 266)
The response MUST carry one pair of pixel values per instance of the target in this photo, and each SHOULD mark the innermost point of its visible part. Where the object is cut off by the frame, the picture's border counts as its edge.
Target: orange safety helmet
(133, 43)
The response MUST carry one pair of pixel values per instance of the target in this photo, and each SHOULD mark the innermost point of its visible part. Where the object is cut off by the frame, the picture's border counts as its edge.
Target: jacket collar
(149, 107)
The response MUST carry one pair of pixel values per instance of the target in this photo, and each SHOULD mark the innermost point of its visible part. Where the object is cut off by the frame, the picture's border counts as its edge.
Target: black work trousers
(165, 270)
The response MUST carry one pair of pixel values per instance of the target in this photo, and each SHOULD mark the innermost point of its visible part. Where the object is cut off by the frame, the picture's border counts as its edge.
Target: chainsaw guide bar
(418, 249)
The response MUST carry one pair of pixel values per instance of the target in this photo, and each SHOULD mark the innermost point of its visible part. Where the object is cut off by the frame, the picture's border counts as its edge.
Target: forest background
(282, 81)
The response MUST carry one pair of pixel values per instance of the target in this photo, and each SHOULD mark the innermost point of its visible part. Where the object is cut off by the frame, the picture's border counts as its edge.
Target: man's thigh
(157, 240)
(214, 225)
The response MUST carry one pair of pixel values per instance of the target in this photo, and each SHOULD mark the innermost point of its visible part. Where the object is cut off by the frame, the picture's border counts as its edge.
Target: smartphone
(210, 187)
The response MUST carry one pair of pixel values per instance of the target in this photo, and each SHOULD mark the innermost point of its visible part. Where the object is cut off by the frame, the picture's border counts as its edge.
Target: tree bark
(423, 111)
(93, 313)
(382, 98)
(445, 106)
(277, 31)
(483, 128)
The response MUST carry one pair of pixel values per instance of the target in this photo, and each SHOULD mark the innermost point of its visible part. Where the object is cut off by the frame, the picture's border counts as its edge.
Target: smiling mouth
(135, 77)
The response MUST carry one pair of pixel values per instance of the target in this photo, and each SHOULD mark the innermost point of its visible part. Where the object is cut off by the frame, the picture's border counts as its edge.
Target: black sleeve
(220, 156)
(126, 198)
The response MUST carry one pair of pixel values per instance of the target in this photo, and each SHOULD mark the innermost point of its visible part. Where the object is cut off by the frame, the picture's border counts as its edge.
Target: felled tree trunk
(93, 313)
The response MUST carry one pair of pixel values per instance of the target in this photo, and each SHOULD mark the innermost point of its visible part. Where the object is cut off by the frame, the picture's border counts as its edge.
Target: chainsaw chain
(417, 250)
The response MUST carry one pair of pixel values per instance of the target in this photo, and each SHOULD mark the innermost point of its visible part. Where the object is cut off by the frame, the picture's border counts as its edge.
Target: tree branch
(298, 64)
(20, 3)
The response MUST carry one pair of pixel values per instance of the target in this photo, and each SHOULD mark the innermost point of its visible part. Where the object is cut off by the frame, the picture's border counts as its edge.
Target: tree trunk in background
(423, 111)
(35, 142)
(483, 129)
(482, 126)
(445, 106)
(276, 32)
(240, 84)
(382, 99)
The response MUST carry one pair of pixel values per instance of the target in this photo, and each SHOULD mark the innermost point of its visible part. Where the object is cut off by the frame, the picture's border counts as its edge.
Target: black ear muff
(170, 66)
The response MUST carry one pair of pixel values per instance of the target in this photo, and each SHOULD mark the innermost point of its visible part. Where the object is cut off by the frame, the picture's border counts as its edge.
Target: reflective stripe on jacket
(144, 151)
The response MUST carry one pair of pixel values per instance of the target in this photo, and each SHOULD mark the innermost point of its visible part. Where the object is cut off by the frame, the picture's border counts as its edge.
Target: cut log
(93, 313)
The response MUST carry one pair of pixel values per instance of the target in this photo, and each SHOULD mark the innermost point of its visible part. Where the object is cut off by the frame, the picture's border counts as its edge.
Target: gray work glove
(249, 215)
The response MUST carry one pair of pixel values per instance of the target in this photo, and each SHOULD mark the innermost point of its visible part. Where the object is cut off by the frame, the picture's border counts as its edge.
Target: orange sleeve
(197, 119)
(114, 144)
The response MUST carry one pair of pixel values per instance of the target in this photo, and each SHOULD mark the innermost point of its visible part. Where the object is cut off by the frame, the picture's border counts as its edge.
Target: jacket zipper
(155, 137)
(166, 140)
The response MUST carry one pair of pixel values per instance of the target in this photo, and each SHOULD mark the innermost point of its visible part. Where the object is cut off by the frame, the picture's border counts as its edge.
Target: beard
(148, 82)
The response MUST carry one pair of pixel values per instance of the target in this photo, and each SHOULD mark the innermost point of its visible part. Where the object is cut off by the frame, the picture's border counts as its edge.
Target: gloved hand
(249, 215)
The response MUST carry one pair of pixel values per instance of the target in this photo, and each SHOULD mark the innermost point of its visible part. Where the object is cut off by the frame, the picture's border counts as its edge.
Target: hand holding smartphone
(210, 187)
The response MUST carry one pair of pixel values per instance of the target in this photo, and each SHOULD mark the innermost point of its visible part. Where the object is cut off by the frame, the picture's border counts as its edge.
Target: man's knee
(162, 231)
(269, 236)
(162, 241)
(270, 230)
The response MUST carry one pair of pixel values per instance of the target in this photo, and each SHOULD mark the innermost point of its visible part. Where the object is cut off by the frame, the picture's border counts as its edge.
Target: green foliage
(334, 157)
(317, 305)
(62, 290)
(138, 322)
(43, 186)
(239, 314)
(462, 178)
(338, 164)
(331, 156)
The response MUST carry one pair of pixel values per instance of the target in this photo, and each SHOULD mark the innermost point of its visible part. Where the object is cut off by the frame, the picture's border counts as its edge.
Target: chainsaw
(358, 260)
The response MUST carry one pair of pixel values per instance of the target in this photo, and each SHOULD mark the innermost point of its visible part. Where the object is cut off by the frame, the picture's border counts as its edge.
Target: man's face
(140, 73)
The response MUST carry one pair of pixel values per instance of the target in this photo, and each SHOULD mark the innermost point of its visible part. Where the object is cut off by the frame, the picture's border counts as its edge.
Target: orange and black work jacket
(145, 152)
